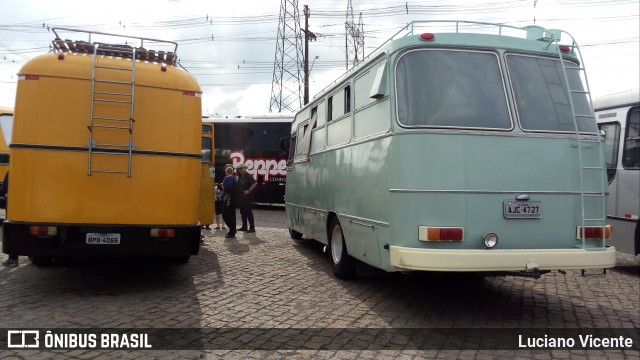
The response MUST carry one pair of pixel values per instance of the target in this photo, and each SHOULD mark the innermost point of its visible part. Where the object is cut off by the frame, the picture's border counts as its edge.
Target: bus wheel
(295, 235)
(181, 259)
(637, 239)
(41, 260)
(344, 266)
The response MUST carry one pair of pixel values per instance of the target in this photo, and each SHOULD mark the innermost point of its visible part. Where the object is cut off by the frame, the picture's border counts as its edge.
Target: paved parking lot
(261, 286)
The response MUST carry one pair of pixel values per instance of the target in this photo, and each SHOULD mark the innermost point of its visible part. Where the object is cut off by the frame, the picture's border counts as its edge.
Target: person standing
(229, 201)
(218, 203)
(4, 191)
(247, 185)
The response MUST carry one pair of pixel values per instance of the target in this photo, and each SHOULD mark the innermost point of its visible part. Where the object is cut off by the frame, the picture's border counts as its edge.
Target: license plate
(103, 239)
(522, 209)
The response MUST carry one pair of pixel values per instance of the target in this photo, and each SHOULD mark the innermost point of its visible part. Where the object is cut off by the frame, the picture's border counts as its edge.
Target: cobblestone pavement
(268, 281)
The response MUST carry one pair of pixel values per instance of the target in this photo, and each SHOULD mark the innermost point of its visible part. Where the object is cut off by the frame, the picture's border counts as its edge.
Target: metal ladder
(583, 143)
(100, 122)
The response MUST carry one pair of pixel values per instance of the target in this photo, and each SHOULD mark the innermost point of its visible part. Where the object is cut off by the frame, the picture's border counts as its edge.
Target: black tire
(181, 259)
(344, 266)
(41, 260)
(295, 235)
(637, 239)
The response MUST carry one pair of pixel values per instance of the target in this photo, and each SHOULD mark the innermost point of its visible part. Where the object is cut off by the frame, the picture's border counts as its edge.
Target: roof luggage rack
(167, 56)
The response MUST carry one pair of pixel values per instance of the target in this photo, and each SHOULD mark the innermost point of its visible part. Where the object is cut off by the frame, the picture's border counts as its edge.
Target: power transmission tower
(286, 86)
(354, 38)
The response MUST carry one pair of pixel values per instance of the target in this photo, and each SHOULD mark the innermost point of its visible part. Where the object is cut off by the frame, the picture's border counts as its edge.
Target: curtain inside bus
(451, 88)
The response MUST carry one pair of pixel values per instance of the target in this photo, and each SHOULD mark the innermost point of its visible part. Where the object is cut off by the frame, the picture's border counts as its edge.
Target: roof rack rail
(123, 50)
(531, 32)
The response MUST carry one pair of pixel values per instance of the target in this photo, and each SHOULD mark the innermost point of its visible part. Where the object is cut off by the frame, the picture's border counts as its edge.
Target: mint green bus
(473, 148)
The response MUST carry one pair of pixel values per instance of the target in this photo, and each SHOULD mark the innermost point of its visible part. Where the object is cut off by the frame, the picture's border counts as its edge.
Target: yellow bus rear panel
(161, 190)
(107, 150)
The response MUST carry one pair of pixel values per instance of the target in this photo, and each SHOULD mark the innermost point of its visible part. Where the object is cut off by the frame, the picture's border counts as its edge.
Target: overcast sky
(235, 69)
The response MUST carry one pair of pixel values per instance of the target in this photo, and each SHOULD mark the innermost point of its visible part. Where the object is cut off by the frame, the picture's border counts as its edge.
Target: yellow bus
(105, 152)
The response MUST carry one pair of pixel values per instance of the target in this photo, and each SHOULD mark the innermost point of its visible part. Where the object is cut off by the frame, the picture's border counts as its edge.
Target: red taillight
(29, 77)
(427, 37)
(189, 93)
(163, 233)
(456, 234)
(429, 233)
(594, 232)
(167, 233)
(565, 48)
(43, 230)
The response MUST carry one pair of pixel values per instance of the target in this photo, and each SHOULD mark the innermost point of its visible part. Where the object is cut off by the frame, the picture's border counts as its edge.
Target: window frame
(611, 171)
(567, 93)
(503, 83)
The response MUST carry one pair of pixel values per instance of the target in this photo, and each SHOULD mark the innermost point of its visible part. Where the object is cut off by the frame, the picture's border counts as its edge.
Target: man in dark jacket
(247, 185)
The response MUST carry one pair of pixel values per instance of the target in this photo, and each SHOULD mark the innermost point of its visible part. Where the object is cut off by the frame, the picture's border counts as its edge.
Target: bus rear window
(542, 97)
(451, 88)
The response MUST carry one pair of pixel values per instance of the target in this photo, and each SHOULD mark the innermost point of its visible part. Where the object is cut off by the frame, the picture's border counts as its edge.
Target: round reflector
(490, 240)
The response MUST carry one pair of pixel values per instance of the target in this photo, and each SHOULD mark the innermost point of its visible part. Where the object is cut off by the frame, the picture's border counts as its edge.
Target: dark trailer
(254, 141)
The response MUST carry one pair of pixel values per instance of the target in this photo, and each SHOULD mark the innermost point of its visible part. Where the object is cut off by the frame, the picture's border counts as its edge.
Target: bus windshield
(541, 95)
(451, 88)
(254, 135)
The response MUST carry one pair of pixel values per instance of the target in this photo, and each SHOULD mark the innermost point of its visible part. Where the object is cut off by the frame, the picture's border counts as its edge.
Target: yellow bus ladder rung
(113, 82)
(113, 145)
(111, 93)
(108, 153)
(111, 119)
(111, 127)
(109, 171)
(112, 101)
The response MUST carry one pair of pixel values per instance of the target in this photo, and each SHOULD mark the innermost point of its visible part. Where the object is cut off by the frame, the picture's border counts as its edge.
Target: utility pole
(308, 36)
(306, 54)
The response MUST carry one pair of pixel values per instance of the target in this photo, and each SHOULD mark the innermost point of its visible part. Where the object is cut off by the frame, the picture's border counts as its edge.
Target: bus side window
(300, 136)
(314, 113)
(206, 150)
(338, 103)
(631, 152)
(292, 150)
(347, 99)
(611, 143)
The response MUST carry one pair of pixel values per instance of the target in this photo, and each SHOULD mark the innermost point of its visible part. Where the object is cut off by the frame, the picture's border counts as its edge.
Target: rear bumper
(501, 260)
(70, 241)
